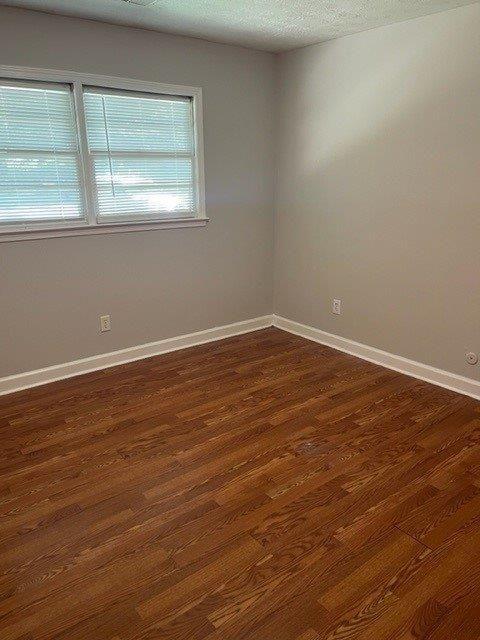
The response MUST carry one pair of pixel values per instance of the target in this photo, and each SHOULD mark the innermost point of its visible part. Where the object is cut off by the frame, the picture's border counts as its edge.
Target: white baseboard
(452, 381)
(29, 379)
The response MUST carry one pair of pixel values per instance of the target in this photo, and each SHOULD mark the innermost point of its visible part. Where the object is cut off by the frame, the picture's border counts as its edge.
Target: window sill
(40, 234)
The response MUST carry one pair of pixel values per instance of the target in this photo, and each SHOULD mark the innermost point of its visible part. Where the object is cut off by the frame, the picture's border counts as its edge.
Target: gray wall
(377, 199)
(378, 188)
(161, 283)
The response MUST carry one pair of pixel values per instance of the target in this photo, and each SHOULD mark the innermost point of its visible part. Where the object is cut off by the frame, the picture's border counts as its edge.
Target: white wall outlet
(336, 307)
(105, 323)
(471, 357)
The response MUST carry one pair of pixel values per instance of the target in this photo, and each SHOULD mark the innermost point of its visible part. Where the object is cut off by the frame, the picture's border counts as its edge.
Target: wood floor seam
(420, 542)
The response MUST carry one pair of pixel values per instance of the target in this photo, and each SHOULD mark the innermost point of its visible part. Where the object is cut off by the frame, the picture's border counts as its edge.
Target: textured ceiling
(273, 25)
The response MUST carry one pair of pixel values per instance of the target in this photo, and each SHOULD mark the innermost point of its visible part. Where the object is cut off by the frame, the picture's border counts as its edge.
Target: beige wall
(154, 284)
(378, 199)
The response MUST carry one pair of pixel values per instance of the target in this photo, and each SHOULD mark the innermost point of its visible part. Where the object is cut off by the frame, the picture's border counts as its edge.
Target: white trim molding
(100, 229)
(20, 381)
(452, 381)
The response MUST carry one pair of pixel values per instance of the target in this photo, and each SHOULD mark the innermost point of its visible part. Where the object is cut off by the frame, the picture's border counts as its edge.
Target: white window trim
(92, 225)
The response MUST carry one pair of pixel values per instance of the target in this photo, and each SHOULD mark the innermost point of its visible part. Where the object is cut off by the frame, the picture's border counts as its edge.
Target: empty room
(239, 320)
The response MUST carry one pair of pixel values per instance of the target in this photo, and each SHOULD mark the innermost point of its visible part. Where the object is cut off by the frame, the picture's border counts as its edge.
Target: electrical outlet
(337, 307)
(105, 323)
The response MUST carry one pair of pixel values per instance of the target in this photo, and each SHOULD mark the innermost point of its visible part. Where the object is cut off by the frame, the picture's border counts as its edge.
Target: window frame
(91, 224)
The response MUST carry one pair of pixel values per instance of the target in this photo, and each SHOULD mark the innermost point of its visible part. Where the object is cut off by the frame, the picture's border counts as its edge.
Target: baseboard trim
(452, 381)
(20, 381)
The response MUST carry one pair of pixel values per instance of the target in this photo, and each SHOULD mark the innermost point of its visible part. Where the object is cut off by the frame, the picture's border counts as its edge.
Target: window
(85, 154)
(39, 160)
(142, 153)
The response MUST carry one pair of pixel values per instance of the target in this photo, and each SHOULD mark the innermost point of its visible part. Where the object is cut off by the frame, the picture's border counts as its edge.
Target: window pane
(143, 154)
(123, 122)
(38, 187)
(39, 176)
(144, 186)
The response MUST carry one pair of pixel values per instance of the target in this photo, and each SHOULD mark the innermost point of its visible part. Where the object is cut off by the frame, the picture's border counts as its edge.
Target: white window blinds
(39, 156)
(143, 154)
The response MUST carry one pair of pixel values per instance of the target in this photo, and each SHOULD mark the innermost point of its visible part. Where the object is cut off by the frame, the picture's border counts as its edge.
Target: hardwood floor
(259, 488)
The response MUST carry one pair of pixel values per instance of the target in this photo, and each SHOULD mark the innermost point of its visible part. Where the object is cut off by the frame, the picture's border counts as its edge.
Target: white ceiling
(273, 25)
